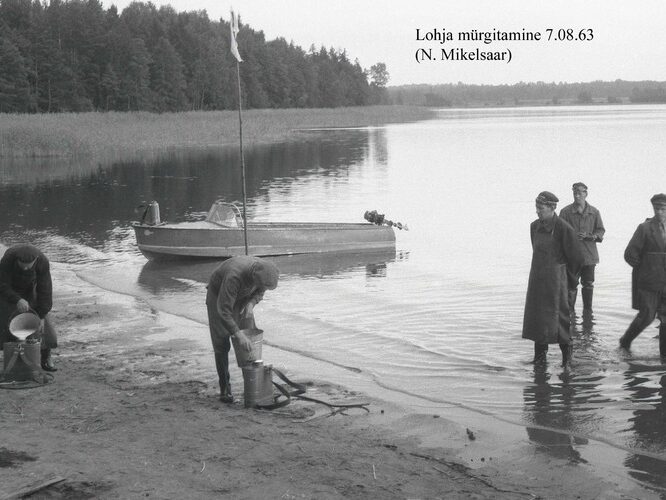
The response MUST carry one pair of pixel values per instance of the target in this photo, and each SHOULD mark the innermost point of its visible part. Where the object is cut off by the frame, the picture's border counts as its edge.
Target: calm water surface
(439, 318)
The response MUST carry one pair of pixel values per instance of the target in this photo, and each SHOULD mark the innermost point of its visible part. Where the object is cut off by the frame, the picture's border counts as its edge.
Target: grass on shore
(112, 134)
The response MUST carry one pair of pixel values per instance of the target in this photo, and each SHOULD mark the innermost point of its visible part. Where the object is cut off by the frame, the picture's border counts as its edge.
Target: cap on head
(547, 198)
(658, 199)
(26, 256)
(265, 274)
(579, 186)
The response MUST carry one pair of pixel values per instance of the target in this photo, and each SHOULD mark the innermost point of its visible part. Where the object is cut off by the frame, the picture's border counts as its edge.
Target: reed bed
(113, 134)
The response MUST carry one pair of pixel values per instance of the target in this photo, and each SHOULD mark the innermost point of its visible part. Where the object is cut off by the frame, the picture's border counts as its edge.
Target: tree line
(73, 55)
(528, 94)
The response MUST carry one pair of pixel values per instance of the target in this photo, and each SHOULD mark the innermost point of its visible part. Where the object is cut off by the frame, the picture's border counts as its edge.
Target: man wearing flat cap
(555, 249)
(646, 254)
(234, 288)
(586, 221)
(25, 284)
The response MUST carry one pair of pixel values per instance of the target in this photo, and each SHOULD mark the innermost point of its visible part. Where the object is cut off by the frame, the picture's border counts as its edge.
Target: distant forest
(528, 94)
(72, 56)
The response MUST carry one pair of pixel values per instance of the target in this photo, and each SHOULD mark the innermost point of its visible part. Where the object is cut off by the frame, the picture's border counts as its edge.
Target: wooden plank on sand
(32, 487)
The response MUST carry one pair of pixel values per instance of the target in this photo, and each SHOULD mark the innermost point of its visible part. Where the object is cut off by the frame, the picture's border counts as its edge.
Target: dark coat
(646, 253)
(234, 283)
(554, 250)
(34, 285)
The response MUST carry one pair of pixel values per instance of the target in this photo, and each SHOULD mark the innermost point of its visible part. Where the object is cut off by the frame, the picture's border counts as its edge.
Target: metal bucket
(243, 357)
(21, 360)
(24, 324)
(257, 385)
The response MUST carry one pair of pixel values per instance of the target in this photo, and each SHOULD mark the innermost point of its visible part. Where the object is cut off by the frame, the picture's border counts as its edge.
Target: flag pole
(242, 157)
(233, 25)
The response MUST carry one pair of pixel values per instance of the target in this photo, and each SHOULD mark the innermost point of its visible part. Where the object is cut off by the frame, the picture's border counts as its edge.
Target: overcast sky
(629, 39)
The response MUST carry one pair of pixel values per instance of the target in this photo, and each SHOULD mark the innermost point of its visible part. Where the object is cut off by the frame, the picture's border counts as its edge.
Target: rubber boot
(225, 395)
(222, 365)
(662, 340)
(47, 363)
(540, 353)
(567, 352)
(628, 337)
(587, 300)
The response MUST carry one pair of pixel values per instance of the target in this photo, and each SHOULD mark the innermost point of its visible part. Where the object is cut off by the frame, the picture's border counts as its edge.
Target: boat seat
(225, 214)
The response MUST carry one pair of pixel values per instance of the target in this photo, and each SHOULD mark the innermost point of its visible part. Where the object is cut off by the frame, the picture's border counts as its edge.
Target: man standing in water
(586, 221)
(555, 249)
(25, 284)
(646, 254)
(235, 287)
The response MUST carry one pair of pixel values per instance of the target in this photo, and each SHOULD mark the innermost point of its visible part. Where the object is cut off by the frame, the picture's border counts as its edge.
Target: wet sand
(133, 413)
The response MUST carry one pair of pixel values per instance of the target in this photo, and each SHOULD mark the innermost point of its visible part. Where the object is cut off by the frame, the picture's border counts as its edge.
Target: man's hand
(258, 296)
(22, 306)
(40, 330)
(243, 341)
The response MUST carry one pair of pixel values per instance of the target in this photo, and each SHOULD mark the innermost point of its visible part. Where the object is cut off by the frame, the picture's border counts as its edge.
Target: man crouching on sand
(234, 288)
(25, 284)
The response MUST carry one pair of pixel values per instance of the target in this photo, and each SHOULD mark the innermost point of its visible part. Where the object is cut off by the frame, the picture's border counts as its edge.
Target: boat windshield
(225, 214)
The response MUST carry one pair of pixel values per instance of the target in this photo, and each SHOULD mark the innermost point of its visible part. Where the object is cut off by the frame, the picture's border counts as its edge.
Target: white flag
(234, 32)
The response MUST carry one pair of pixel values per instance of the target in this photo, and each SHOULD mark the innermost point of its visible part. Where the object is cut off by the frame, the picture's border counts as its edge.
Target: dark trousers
(649, 305)
(585, 277)
(220, 338)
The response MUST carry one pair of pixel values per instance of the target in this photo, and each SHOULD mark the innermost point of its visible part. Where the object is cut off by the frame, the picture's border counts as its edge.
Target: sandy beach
(133, 413)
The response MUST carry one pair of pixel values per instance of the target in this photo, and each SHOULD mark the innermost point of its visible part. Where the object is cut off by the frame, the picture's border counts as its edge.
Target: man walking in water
(646, 254)
(235, 287)
(586, 221)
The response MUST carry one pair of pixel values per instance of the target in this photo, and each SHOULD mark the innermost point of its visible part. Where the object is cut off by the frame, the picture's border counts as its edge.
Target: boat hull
(208, 240)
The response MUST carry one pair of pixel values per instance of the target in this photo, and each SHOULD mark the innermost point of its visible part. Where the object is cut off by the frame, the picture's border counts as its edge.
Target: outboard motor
(379, 219)
(151, 214)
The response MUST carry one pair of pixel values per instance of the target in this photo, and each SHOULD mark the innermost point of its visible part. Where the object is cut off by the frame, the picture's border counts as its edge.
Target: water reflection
(552, 406)
(161, 277)
(647, 388)
(89, 202)
(585, 339)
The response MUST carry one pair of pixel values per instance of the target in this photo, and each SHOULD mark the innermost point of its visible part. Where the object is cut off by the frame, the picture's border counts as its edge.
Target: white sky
(629, 36)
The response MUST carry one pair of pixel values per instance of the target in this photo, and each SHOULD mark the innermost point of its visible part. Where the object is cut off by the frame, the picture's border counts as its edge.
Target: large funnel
(23, 325)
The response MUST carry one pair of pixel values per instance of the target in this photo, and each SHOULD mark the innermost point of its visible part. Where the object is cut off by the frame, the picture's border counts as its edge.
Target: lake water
(440, 318)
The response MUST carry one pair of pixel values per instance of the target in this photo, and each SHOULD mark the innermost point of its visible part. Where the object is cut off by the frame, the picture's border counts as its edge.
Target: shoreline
(133, 411)
(113, 136)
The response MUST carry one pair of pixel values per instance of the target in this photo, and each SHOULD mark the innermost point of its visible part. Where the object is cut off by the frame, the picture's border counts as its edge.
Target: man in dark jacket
(25, 284)
(235, 287)
(646, 254)
(555, 249)
(586, 221)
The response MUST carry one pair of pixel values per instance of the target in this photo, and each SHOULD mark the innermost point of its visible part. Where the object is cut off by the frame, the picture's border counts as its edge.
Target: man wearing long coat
(646, 254)
(555, 248)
